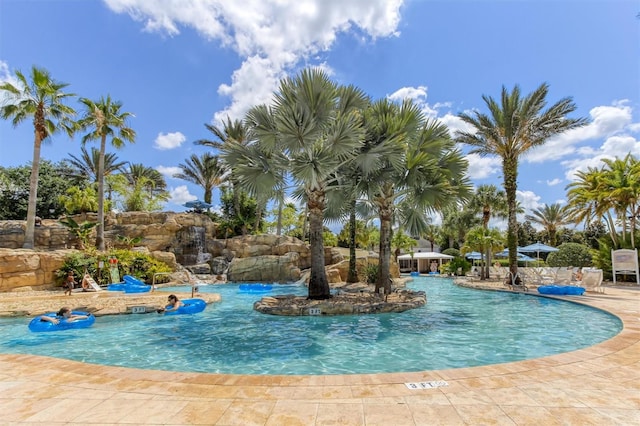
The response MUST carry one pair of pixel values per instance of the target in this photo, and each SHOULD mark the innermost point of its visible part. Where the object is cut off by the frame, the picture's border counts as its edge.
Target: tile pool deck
(597, 385)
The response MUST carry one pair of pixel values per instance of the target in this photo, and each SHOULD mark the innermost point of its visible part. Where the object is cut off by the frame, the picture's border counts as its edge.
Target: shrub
(371, 272)
(135, 263)
(458, 263)
(570, 254)
(452, 252)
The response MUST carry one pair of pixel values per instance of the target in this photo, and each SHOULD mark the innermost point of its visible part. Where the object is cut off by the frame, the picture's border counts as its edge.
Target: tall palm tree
(104, 119)
(232, 132)
(491, 202)
(42, 99)
(513, 127)
(420, 172)
(310, 129)
(551, 218)
(583, 197)
(205, 170)
(86, 166)
(621, 191)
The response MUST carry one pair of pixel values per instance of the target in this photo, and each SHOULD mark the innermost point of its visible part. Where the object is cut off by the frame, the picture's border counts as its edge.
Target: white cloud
(614, 146)
(168, 171)
(553, 182)
(272, 36)
(483, 167)
(455, 124)
(418, 95)
(166, 141)
(7, 77)
(181, 195)
(606, 121)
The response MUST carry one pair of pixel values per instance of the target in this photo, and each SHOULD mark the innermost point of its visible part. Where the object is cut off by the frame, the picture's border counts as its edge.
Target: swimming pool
(458, 327)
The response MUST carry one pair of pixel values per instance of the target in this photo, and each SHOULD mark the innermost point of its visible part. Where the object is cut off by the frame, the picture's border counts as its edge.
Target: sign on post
(625, 261)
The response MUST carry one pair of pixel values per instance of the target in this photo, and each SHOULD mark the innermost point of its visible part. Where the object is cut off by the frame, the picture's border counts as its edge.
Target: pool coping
(600, 383)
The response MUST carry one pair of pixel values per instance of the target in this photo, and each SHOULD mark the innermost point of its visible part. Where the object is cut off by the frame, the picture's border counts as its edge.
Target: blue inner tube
(137, 288)
(561, 290)
(37, 325)
(415, 274)
(255, 288)
(191, 306)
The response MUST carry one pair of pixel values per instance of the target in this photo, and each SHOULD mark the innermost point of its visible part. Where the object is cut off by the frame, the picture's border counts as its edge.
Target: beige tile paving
(599, 385)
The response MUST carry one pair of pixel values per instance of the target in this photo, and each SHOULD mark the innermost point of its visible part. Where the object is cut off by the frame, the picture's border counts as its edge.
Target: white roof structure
(425, 255)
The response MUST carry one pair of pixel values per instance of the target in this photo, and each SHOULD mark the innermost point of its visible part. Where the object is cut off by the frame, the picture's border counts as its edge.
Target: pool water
(458, 327)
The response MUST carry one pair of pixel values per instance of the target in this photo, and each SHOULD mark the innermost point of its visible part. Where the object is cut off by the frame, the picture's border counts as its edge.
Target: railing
(185, 272)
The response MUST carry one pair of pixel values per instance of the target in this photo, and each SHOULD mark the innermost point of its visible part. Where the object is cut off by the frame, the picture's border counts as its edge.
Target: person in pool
(63, 314)
(173, 305)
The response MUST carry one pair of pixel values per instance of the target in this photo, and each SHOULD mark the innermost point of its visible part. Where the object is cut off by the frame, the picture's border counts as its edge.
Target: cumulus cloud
(483, 167)
(418, 95)
(168, 171)
(588, 157)
(181, 195)
(553, 182)
(606, 121)
(166, 141)
(7, 77)
(272, 36)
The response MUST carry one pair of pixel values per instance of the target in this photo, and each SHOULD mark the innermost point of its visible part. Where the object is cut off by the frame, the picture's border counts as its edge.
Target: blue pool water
(458, 327)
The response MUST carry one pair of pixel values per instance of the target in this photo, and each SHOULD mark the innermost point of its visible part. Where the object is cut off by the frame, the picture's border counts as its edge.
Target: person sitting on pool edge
(63, 314)
(174, 304)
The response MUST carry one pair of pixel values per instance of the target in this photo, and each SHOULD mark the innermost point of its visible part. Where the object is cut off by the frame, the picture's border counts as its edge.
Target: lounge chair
(563, 276)
(592, 280)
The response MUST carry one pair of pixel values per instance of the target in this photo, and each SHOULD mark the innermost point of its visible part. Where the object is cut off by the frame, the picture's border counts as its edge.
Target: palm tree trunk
(100, 228)
(29, 235)
(279, 222)
(318, 283)
(510, 170)
(352, 276)
(384, 276)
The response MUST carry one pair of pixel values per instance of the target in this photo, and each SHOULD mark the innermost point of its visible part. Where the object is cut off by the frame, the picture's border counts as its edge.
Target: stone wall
(22, 269)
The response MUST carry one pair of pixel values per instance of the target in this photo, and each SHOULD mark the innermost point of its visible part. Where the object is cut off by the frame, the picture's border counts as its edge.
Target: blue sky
(177, 65)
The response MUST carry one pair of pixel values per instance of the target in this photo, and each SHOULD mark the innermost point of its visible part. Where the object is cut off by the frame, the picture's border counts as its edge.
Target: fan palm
(420, 172)
(513, 127)
(206, 171)
(311, 128)
(103, 119)
(42, 99)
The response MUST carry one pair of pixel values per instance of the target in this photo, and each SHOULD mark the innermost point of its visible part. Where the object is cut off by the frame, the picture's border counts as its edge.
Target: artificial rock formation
(344, 303)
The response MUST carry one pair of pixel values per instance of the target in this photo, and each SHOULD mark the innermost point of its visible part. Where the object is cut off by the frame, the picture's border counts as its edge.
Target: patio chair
(563, 276)
(592, 280)
(515, 282)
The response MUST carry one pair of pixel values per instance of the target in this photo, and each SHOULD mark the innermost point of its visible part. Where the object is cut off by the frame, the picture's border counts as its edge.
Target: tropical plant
(513, 127)
(42, 99)
(205, 171)
(417, 170)
(104, 119)
(483, 240)
(79, 200)
(86, 166)
(233, 132)
(147, 177)
(82, 231)
(136, 194)
(310, 129)
(551, 218)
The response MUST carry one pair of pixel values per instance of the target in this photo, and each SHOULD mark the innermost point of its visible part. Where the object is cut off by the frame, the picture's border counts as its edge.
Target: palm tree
(511, 129)
(491, 202)
(206, 171)
(154, 182)
(550, 217)
(42, 99)
(104, 118)
(420, 172)
(86, 166)
(232, 132)
(311, 128)
(621, 191)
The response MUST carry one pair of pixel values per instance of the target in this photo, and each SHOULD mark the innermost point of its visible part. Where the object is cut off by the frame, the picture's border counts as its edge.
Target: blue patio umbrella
(197, 205)
(538, 248)
(505, 252)
(473, 255)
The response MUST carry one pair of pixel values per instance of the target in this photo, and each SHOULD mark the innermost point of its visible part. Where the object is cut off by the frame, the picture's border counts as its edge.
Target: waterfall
(191, 246)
